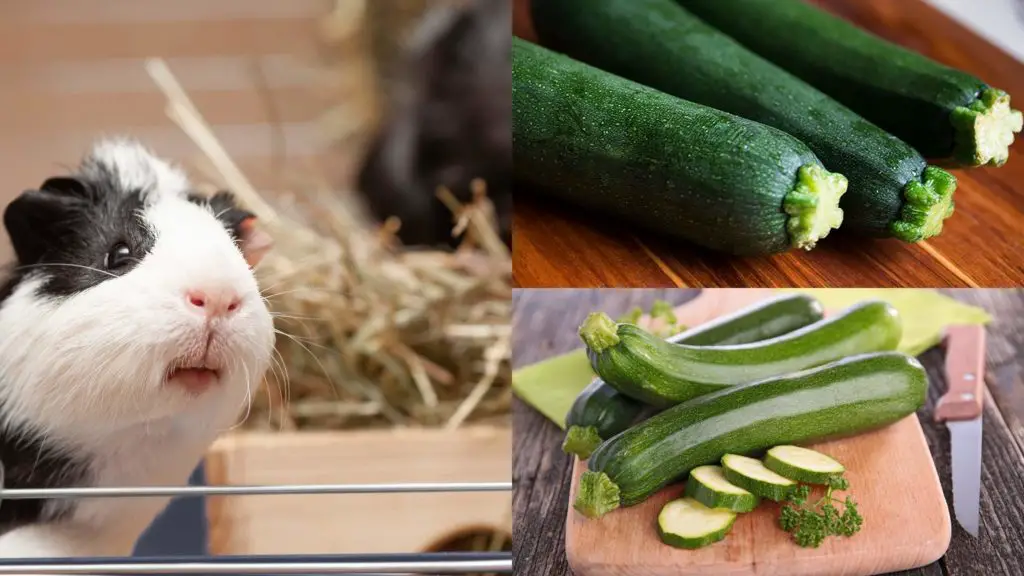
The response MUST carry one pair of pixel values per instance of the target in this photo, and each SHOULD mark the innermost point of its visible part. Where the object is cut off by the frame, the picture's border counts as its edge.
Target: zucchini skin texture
(904, 92)
(660, 374)
(602, 143)
(846, 397)
(609, 411)
(659, 44)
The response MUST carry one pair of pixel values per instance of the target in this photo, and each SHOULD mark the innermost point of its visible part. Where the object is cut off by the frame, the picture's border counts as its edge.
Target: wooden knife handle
(965, 373)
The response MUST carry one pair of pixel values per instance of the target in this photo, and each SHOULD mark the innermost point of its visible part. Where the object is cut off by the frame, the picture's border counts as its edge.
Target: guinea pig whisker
(323, 368)
(90, 268)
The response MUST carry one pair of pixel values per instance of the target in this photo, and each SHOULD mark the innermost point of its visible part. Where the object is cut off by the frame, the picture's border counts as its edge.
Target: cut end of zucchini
(985, 129)
(581, 441)
(813, 205)
(597, 495)
(803, 465)
(926, 205)
(599, 332)
(686, 523)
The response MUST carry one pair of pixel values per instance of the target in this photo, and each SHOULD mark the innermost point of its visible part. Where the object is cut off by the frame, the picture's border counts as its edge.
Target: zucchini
(709, 486)
(945, 113)
(661, 374)
(803, 465)
(751, 475)
(849, 396)
(604, 143)
(686, 523)
(600, 411)
(892, 191)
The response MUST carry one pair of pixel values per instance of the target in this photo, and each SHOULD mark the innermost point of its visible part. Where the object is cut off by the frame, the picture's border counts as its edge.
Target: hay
(370, 334)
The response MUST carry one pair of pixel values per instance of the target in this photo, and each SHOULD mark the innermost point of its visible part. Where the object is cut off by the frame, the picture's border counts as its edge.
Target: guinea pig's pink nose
(214, 302)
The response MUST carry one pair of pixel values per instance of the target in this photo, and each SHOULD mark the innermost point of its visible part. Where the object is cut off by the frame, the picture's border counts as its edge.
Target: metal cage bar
(433, 563)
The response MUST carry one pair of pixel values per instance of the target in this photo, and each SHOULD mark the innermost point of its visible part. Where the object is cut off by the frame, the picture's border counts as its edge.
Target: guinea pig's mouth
(193, 378)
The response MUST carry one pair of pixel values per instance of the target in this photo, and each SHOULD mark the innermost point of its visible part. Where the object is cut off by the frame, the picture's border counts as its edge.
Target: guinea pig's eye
(118, 256)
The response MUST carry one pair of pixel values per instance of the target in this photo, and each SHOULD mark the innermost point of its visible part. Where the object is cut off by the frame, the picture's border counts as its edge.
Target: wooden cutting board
(892, 477)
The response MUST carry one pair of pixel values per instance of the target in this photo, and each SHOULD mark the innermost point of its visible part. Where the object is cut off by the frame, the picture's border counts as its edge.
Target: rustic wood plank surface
(544, 324)
(980, 246)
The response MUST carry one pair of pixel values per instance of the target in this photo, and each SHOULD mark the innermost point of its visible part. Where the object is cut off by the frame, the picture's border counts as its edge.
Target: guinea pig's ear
(253, 242)
(37, 220)
(66, 185)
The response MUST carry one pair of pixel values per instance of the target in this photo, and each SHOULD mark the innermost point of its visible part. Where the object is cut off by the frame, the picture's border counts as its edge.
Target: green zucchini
(846, 397)
(600, 411)
(661, 374)
(606, 144)
(686, 523)
(751, 475)
(892, 191)
(803, 465)
(709, 486)
(945, 113)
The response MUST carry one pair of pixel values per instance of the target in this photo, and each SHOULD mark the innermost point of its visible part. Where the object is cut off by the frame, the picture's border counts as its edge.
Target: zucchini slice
(803, 464)
(751, 474)
(686, 523)
(708, 486)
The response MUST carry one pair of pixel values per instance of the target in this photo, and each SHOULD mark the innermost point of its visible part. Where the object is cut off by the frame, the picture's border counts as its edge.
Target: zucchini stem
(581, 441)
(926, 205)
(813, 205)
(597, 495)
(599, 332)
(984, 129)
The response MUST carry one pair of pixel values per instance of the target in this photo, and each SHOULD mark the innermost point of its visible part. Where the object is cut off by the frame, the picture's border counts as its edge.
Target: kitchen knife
(961, 409)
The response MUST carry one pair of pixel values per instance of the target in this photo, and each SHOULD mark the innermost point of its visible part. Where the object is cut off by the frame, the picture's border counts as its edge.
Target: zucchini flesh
(943, 112)
(686, 523)
(751, 474)
(603, 143)
(661, 374)
(600, 411)
(892, 191)
(803, 465)
(850, 396)
(708, 485)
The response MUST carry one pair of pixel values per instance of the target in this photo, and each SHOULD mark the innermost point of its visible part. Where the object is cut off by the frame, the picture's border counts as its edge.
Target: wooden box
(356, 523)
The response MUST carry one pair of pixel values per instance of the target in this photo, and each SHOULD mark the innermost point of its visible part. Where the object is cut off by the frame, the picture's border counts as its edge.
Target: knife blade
(961, 408)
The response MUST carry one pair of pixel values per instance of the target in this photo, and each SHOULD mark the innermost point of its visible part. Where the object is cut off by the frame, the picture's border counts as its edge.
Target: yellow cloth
(551, 385)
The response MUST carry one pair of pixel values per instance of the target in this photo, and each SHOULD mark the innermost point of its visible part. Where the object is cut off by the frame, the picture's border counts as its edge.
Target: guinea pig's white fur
(88, 370)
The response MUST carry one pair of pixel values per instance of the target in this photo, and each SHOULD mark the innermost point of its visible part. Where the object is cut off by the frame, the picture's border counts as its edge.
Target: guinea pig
(132, 333)
(450, 122)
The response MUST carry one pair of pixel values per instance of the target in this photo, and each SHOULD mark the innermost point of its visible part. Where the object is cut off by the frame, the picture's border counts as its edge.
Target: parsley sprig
(810, 525)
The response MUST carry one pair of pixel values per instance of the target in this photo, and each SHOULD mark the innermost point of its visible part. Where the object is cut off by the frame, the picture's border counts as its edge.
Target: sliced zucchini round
(803, 464)
(751, 475)
(686, 523)
(708, 486)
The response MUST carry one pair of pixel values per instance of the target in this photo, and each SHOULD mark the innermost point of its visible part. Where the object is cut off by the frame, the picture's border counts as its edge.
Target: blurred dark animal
(449, 122)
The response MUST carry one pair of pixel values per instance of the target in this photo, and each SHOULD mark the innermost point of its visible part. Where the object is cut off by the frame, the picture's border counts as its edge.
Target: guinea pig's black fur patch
(226, 210)
(74, 233)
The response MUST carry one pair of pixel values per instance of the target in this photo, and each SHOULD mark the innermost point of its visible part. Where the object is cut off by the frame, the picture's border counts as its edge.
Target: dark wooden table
(545, 322)
(558, 246)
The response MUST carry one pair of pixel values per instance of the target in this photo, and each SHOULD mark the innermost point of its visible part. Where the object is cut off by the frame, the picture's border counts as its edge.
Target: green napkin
(551, 385)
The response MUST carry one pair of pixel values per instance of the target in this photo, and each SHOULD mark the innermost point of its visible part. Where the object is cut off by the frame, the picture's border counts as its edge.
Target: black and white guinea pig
(132, 333)
(450, 122)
